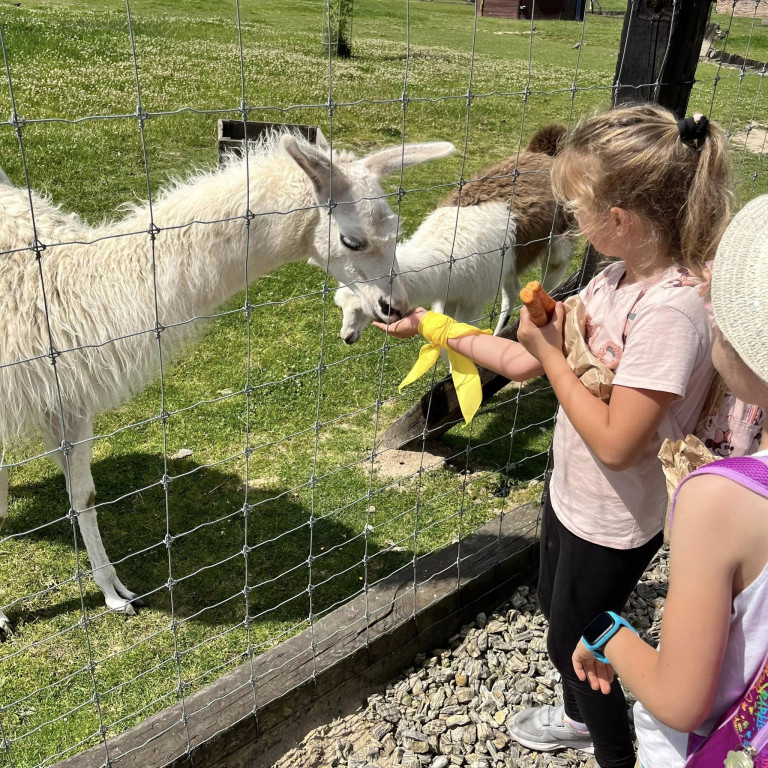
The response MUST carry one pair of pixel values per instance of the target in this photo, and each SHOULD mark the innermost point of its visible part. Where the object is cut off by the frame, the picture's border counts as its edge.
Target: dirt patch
(402, 463)
(755, 139)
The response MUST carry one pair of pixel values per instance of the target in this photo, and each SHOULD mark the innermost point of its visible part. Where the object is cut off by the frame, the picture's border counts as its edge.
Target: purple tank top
(741, 737)
(748, 471)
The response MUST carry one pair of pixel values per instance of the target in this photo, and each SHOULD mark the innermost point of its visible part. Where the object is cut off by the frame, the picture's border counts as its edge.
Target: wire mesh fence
(240, 492)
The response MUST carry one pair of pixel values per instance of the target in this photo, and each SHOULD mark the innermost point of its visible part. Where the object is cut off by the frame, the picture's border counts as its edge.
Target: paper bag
(593, 374)
(678, 459)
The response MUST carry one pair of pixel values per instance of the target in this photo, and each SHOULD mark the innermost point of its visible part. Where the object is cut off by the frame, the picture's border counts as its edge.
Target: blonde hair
(633, 158)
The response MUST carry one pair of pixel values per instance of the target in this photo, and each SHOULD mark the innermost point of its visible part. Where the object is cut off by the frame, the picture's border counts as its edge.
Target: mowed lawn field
(70, 63)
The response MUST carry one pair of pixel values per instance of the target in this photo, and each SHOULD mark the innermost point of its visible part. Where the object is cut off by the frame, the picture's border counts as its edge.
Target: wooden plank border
(265, 703)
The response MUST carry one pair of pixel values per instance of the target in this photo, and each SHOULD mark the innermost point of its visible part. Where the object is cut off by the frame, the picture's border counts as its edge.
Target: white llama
(99, 299)
(475, 245)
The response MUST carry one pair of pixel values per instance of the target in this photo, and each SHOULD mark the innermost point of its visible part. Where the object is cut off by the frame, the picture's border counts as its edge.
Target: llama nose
(388, 310)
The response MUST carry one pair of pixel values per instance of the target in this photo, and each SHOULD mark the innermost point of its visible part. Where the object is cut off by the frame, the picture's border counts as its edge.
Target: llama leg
(82, 497)
(441, 307)
(3, 492)
(6, 628)
(459, 313)
(5, 624)
(509, 292)
(469, 313)
(557, 265)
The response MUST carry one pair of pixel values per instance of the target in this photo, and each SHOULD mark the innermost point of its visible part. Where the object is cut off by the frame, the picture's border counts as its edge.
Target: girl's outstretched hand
(587, 667)
(541, 342)
(405, 328)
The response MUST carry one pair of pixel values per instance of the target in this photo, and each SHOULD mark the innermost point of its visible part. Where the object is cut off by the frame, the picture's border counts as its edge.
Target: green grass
(71, 59)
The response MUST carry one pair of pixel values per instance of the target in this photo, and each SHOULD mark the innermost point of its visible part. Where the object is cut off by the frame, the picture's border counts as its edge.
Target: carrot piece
(547, 302)
(535, 310)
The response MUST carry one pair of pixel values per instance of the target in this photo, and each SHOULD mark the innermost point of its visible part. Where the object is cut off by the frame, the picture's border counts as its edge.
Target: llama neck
(199, 265)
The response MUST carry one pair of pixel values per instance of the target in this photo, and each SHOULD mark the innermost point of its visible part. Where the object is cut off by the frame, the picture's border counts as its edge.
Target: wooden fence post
(659, 51)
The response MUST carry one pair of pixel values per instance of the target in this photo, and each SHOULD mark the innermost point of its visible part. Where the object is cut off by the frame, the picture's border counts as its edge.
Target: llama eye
(352, 243)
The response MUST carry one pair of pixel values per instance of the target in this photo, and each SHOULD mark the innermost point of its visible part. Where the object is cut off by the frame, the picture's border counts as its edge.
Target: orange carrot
(535, 310)
(547, 302)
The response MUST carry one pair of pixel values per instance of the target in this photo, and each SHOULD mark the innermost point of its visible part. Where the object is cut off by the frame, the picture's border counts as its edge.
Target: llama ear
(315, 163)
(320, 140)
(387, 161)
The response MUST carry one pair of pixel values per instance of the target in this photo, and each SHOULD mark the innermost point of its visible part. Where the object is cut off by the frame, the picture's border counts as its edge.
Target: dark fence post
(659, 51)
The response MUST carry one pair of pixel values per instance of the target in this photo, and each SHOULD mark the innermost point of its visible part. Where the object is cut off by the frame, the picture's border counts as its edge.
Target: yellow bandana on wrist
(437, 329)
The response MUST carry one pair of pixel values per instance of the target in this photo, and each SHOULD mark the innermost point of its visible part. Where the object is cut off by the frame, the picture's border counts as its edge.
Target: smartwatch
(601, 630)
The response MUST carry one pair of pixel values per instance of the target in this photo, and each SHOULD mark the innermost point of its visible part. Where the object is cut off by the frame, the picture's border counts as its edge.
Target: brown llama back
(529, 191)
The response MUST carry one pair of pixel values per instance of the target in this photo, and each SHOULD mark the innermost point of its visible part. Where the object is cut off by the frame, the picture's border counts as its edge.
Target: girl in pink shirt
(653, 193)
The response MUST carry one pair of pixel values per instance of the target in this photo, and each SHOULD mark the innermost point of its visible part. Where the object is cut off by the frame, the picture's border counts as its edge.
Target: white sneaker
(543, 729)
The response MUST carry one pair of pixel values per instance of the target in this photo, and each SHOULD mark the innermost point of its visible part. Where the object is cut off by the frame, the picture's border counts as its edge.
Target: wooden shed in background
(565, 10)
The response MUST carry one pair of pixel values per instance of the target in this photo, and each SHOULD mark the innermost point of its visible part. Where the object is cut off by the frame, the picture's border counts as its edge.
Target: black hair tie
(693, 129)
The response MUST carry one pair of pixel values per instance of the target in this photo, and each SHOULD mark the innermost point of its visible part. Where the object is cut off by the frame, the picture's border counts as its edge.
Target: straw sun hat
(740, 285)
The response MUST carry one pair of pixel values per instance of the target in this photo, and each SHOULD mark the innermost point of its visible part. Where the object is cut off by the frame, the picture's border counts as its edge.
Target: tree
(338, 27)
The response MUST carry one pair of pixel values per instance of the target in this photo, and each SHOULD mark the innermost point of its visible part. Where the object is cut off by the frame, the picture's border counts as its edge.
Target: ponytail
(673, 175)
(708, 207)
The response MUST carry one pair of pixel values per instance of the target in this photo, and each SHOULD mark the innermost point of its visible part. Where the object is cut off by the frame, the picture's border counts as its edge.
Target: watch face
(597, 628)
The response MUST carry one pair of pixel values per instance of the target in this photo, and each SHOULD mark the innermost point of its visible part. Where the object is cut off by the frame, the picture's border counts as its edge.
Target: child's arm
(617, 432)
(504, 356)
(677, 683)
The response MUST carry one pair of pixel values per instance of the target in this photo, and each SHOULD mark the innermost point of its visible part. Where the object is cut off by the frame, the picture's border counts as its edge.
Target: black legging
(578, 580)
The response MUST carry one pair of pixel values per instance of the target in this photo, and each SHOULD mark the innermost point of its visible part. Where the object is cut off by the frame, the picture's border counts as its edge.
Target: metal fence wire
(242, 496)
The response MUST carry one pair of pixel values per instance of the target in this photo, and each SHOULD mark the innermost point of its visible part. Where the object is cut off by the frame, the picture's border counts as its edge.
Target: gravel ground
(450, 709)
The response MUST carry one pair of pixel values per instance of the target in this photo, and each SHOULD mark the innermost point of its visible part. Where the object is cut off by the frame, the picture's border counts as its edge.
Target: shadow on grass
(213, 545)
(514, 440)
(206, 555)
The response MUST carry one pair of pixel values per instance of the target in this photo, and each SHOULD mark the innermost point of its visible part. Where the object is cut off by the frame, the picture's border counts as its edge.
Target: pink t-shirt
(655, 335)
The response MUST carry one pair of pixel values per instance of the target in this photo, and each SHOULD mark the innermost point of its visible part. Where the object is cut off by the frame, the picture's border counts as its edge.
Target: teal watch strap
(597, 644)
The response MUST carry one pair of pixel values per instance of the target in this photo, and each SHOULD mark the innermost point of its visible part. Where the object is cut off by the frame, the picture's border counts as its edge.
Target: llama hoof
(125, 606)
(128, 610)
(131, 597)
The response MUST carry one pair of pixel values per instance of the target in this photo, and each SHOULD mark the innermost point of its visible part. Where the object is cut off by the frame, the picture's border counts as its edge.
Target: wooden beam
(438, 410)
(265, 703)
(232, 134)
